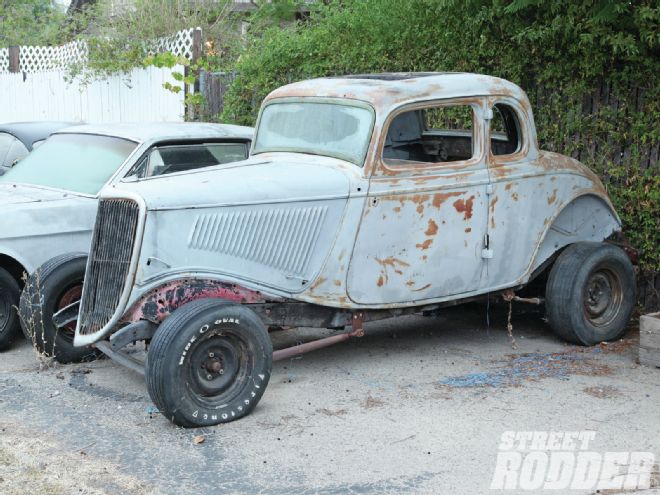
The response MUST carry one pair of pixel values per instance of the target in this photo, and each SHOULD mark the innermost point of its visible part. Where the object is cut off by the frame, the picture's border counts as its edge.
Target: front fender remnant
(159, 303)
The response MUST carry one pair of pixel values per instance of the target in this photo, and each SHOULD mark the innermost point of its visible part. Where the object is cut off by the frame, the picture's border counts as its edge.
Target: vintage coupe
(49, 201)
(365, 197)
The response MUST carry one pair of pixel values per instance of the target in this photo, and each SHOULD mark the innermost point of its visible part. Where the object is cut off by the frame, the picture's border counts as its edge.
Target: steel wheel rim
(218, 365)
(603, 297)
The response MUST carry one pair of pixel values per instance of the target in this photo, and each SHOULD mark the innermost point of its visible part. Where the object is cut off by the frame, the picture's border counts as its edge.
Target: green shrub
(590, 69)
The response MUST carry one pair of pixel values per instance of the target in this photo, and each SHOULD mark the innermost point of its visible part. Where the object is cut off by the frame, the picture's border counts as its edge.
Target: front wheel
(209, 363)
(590, 293)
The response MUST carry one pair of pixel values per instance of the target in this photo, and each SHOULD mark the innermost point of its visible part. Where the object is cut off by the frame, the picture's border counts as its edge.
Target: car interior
(445, 134)
(172, 158)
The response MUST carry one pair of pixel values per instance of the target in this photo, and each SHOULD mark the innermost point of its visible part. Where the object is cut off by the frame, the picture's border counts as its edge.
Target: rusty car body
(364, 197)
(49, 199)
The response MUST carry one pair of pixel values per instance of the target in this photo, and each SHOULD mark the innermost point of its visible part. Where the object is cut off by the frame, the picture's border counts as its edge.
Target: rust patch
(391, 261)
(432, 228)
(420, 209)
(493, 203)
(468, 230)
(338, 283)
(552, 198)
(514, 196)
(160, 302)
(465, 207)
(500, 171)
(397, 209)
(492, 212)
(508, 186)
(440, 198)
(317, 283)
(424, 245)
(422, 288)
(420, 198)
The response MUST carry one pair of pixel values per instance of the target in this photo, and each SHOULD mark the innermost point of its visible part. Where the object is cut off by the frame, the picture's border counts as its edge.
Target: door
(423, 228)
(522, 194)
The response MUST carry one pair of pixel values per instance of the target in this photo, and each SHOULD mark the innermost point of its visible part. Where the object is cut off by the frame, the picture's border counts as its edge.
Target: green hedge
(590, 69)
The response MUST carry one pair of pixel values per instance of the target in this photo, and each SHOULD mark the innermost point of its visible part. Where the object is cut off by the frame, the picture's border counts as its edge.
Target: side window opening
(169, 159)
(504, 130)
(432, 135)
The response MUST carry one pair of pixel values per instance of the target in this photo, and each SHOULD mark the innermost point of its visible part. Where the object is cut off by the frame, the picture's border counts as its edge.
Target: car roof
(30, 132)
(387, 90)
(149, 131)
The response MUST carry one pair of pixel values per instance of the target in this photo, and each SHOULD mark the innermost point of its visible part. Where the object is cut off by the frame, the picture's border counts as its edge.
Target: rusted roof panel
(389, 90)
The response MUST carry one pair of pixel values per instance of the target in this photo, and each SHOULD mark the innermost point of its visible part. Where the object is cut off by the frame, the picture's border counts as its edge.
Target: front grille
(109, 263)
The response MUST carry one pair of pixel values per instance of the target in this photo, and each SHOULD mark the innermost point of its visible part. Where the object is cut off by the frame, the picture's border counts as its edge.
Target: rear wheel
(209, 363)
(10, 326)
(53, 286)
(590, 293)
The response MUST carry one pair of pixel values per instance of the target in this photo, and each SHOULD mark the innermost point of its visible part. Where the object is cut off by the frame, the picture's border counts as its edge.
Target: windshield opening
(80, 163)
(319, 128)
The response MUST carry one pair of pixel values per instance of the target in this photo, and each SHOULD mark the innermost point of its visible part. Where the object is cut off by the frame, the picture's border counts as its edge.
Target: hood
(14, 194)
(31, 217)
(265, 178)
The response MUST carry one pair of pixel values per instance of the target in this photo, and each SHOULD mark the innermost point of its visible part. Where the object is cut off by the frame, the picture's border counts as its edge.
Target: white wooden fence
(39, 90)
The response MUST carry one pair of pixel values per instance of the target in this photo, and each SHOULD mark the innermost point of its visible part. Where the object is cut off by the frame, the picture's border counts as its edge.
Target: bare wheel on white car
(590, 293)
(209, 363)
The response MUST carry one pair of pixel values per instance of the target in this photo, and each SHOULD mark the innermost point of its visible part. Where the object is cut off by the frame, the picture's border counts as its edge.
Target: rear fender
(585, 218)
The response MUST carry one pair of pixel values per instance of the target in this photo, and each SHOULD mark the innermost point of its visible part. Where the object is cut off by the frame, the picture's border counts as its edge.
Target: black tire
(591, 293)
(209, 363)
(10, 326)
(54, 285)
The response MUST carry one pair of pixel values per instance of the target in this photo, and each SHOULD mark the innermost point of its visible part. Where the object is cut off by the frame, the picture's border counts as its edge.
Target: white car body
(39, 223)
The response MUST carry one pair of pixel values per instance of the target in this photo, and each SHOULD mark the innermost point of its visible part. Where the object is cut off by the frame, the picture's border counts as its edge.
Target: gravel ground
(418, 405)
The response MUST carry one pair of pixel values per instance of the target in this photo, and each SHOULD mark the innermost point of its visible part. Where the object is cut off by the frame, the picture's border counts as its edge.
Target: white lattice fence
(46, 58)
(4, 60)
(179, 44)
